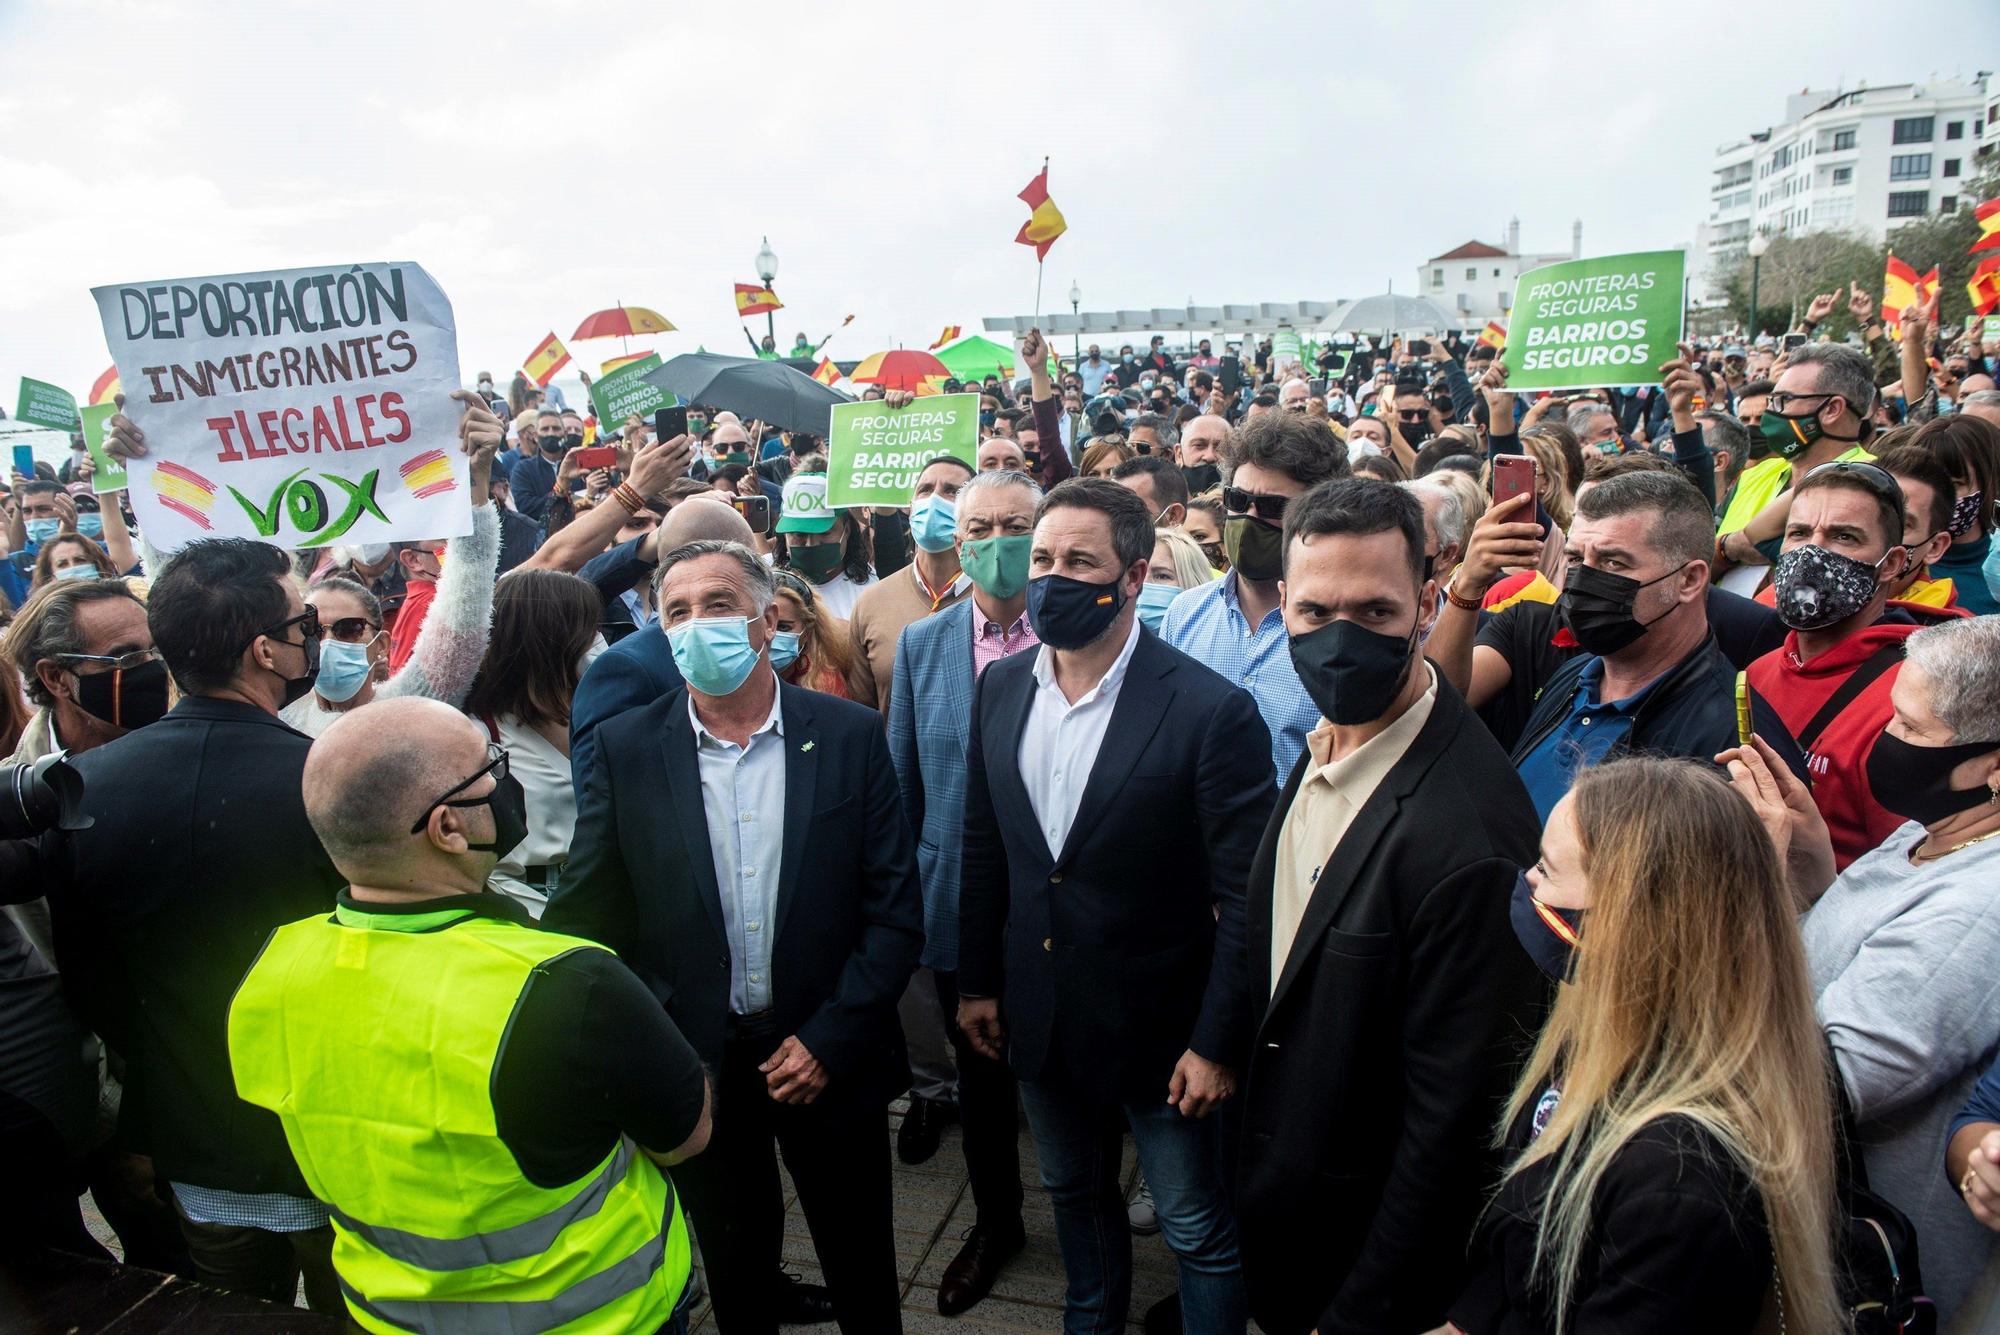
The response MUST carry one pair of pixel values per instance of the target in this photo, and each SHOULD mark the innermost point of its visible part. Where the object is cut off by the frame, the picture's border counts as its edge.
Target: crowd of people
(1508, 862)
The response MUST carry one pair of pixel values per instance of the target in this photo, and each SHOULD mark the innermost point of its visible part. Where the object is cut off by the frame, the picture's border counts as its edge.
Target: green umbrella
(975, 358)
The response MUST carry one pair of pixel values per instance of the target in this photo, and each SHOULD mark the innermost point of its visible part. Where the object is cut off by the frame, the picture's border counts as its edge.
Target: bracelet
(1452, 596)
(630, 499)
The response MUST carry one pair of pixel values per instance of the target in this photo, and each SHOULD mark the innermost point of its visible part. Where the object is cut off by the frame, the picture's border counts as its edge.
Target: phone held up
(756, 511)
(670, 422)
(1514, 475)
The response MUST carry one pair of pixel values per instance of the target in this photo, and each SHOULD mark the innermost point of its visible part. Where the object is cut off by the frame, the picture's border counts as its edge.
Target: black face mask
(1415, 433)
(128, 699)
(509, 803)
(551, 445)
(1256, 549)
(1915, 781)
(1200, 477)
(1352, 673)
(1596, 605)
(572, 440)
(1071, 613)
(296, 687)
(1547, 933)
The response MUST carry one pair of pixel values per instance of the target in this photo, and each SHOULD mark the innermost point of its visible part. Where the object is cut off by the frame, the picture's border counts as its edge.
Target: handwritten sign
(299, 406)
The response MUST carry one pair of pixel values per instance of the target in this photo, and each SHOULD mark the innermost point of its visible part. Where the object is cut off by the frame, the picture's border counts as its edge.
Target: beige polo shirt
(884, 608)
(1330, 794)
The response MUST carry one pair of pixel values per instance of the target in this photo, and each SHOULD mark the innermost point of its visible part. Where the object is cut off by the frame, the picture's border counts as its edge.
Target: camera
(39, 797)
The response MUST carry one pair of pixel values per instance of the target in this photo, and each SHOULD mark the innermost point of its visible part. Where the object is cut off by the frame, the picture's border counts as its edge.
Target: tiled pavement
(933, 1210)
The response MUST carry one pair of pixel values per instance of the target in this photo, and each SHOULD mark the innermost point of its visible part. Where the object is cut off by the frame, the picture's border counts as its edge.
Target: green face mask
(818, 563)
(1256, 549)
(999, 566)
(1789, 437)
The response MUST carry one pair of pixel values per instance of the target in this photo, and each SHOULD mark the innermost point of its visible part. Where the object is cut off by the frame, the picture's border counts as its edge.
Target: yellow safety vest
(373, 1037)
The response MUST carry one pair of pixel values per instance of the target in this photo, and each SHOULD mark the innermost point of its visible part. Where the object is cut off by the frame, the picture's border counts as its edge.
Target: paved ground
(933, 1210)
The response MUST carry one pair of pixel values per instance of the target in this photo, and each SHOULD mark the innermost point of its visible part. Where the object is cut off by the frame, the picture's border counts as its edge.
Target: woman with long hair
(70, 556)
(1177, 564)
(544, 639)
(1204, 524)
(811, 648)
(1674, 1124)
(831, 550)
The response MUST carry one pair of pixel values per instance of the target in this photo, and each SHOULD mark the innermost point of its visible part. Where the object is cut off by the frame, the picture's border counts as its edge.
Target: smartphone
(1794, 341)
(1513, 475)
(670, 422)
(756, 511)
(1316, 388)
(24, 460)
(1420, 347)
(599, 456)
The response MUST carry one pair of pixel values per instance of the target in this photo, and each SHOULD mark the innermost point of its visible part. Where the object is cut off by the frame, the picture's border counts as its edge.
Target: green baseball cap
(805, 507)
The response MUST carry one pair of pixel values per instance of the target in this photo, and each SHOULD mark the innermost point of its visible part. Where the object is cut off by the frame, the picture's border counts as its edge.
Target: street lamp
(1076, 334)
(767, 269)
(1758, 245)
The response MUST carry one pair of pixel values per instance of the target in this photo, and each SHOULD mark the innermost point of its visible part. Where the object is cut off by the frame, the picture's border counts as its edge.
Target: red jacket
(409, 620)
(1838, 759)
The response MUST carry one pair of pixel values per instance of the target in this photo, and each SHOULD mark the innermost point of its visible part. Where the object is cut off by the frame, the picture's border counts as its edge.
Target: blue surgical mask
(91, 526)
(41, 530)
(933, 523)
(77, 572)
(343, 670)
(1153, 601)
(784, 650)
(713, 653)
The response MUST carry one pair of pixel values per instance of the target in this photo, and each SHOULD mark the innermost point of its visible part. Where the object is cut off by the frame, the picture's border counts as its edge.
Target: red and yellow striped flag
(107, 388)
(951, 331)
(1494, 335)
(626, 360)
(548, 357)
(1988, 217)
(754, 300)
(1046, 223)
(1984, 286)
(1899, 289)
(826, 372)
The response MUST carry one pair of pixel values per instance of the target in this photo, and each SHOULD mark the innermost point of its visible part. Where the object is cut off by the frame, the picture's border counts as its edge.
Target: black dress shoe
(971, 1273)
(922, 1129)
(800, 1303)
(1164, 1316)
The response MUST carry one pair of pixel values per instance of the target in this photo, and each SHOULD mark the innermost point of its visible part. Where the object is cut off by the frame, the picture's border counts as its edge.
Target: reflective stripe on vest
(477, 1318)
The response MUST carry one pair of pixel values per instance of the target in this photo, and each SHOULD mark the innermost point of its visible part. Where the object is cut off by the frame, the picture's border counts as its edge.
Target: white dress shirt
(550, 792)
(1059, 745)
(743, 796)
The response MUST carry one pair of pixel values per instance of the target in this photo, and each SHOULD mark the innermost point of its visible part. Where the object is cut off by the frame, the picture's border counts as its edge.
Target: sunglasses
(1268, 508)
(496, 764)
(1413, 415)
(307, 622)
(353, 630)
(1872, 476)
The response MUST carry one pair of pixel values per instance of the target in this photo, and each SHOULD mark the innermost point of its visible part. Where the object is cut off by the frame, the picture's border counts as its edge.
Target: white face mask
(372, 553)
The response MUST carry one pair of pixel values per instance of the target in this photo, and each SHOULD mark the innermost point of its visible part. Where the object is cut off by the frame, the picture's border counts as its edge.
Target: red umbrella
(900, 370)
(622, 322)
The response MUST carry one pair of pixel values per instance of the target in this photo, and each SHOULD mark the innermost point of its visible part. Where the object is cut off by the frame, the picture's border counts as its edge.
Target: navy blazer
(641, 879)
(929, 719)
(636, 671)
(1126, 950)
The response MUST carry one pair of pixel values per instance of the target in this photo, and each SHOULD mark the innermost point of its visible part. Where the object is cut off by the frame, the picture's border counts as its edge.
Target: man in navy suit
(1116, 791)
(741, 845)
(938, 658)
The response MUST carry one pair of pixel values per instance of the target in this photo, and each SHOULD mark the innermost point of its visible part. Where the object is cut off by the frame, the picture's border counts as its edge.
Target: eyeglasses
(352, 630)
(496, 765)
(1872, 476)
(1240, 502)
(307, 622)
(1779, 401)
(99, 663)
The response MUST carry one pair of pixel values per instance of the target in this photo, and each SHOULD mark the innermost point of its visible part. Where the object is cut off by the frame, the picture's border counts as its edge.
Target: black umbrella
(750, 387)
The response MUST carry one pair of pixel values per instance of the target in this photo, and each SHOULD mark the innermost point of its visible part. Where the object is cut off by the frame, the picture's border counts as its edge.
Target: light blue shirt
(743, 796)
(1207, 624)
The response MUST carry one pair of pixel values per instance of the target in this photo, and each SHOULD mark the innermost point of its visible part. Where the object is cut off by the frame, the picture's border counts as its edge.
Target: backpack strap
(1857, 681)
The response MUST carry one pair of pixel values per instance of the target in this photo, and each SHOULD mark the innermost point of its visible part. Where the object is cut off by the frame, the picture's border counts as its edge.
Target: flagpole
(1039, 256)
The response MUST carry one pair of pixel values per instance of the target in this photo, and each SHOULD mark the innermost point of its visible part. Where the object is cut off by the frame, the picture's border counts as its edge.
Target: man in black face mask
(533, 479)
(1651, 676)
(199, 848)
(86, 654)
(1380, 956)
(1817, 412)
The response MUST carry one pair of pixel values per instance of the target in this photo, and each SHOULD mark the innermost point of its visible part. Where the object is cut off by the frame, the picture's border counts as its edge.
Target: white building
(1864, 159)
(1475, 281)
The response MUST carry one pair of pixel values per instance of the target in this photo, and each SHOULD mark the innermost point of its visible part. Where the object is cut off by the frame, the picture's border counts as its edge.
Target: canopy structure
(1228, 321)
(1391, 314)
(975, 357)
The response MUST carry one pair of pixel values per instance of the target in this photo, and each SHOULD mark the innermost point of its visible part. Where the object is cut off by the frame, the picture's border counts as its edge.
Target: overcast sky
(546, 159)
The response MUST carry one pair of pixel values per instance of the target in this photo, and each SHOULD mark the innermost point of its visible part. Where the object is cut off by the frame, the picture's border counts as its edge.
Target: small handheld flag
(754, 300)
(1046, 222)
(826, 372)
(1494, 336)
(1988, 217)
(548, 357)
(951, 331)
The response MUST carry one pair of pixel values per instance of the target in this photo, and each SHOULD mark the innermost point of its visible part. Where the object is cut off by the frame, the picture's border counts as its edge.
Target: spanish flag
(826, 372)
(548, 357)
(1494, 336)
(427, 474)
(107, 388)
(1902, 287)
(1984, 286)
(1046, 223)
(951, 331)
(1988, 217)
(754, 300)
(626, 360)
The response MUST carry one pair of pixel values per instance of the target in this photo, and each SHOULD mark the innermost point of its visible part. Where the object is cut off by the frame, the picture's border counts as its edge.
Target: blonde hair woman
(1674, 1125)
(1177, 565)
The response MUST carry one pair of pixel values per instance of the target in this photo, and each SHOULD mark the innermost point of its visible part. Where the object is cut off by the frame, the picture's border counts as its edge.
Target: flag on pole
(548, 357)
(826, 372)
(1494, 336)
(1899, 289)
(754, 300)
(106, 389)
(1988, 217)
(951, 331)
(1045, 223)
(1984, 286)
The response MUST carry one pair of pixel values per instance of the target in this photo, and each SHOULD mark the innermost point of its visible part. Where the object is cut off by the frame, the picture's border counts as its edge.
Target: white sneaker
(1139, 1212)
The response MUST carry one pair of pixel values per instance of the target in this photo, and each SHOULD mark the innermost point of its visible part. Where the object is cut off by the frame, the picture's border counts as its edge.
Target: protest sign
(874, 452)
(109, 474)
(1286, 349)
(299, 406)
(1991, 332)
(1606, 321)
(43, 404)
(625, 391)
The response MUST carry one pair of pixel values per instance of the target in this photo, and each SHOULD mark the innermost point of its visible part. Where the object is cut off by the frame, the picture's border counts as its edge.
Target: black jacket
(1677, 1242)
(1387, 1046)
(200, 849)
(1111, 960)
(641, 879)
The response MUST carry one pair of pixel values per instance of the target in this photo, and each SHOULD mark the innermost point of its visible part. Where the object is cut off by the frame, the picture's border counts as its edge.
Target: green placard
(1286, 346)
(1606, 321)
(1991, 332)
(46, 405)
(109, 474)
(874, 452)
(624, 392)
